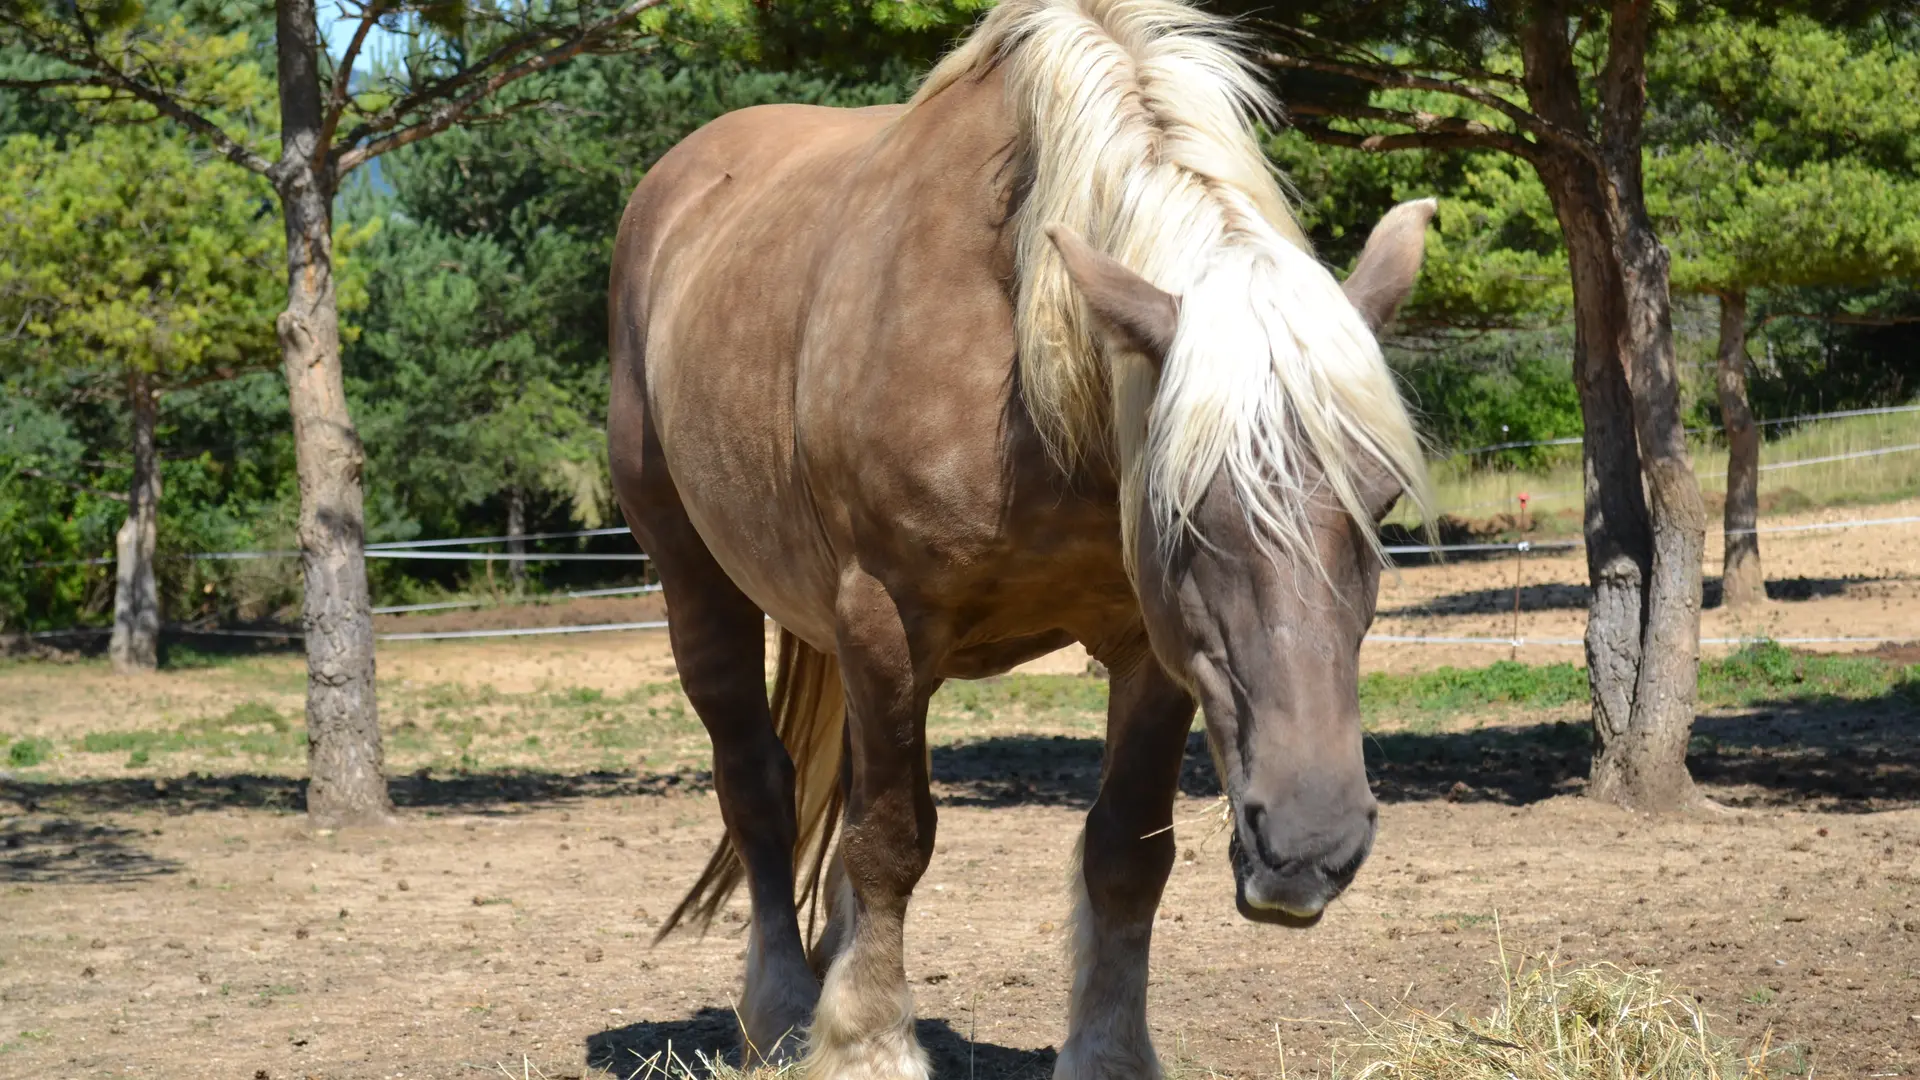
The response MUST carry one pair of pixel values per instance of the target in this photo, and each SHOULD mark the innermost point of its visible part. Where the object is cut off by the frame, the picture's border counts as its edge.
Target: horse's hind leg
(1125, 857)
(719, 647)
(863, 1029)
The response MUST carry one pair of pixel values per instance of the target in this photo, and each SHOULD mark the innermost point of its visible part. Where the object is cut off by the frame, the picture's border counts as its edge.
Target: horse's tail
(809, 713)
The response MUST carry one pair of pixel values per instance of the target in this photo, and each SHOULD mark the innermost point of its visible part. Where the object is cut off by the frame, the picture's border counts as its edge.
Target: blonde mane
(1137, 131)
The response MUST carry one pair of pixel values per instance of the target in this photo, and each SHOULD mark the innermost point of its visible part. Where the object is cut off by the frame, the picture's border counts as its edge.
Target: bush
(1511, 388)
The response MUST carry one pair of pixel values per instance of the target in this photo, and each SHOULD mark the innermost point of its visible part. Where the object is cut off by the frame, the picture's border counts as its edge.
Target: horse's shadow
(648, 1050)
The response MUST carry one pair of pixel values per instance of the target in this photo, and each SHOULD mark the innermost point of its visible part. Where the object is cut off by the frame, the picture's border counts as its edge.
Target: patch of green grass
(250, 728)
(112, 742)
(27, 752)
(181, 657)
(1056, 698)
(252, 712)
(1762, 996)
(1767, 671)
(1450, 689)
(265, 995)
(1761, 671)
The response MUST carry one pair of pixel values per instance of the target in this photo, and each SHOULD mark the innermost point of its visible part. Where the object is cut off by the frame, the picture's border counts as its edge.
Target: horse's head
(1258, 579)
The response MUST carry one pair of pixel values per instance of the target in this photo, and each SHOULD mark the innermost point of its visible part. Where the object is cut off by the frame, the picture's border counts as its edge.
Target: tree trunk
(516, 527)
(1742, 582)
(135, 645)
(1645, 524)
(347, 782)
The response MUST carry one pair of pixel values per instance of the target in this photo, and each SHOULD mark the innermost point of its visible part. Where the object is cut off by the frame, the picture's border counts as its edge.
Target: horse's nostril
(1257, 825)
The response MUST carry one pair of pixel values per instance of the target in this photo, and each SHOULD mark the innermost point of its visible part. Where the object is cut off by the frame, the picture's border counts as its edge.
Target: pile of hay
(1559, 1022)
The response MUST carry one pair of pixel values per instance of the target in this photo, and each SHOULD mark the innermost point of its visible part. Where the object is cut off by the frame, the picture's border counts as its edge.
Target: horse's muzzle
(1287, 889)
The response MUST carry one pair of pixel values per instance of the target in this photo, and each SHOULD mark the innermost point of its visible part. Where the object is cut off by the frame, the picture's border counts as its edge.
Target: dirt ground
(188, 934)
(175, 917)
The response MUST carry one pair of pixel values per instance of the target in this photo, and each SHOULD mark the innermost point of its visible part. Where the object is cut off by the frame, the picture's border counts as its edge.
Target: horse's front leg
(863, 1027)
(1125, 857)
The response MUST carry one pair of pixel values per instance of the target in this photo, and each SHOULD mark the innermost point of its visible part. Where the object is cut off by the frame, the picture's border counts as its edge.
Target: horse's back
(730, 164)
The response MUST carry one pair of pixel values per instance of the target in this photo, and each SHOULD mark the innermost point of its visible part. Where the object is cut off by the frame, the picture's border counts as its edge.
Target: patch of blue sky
(338, 21)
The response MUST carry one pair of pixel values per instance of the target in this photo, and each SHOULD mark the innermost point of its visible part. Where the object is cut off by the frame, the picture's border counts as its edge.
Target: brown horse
(1040, 357)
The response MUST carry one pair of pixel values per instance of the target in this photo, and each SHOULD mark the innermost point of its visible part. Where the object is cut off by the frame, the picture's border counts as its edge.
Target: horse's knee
(1124, 866)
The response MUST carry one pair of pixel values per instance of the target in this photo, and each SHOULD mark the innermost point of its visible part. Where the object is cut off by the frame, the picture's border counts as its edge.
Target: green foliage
(120, 257)
(1776, 144)
(1493, 256)
(116, 256)
(1811, 365)
(456, 386)
(119, 254)
(1515, 387)
(860, 39)
(1786, 165)
(1784, 156)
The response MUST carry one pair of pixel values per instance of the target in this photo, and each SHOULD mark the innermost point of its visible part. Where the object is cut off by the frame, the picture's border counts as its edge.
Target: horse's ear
(1128, 306)
(1383, 278)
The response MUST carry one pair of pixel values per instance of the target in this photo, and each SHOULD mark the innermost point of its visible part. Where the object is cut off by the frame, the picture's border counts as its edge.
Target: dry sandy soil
(176, 917)
(188, 934)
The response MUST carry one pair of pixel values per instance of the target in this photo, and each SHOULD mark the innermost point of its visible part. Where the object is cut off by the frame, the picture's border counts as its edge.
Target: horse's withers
(1266, 636)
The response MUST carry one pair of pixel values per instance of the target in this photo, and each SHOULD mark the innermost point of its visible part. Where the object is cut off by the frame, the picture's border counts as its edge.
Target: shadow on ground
(60, 849)
(1820, 754)
(485, 792)
(1834, 755)
(1563, 597)
(713, 1034)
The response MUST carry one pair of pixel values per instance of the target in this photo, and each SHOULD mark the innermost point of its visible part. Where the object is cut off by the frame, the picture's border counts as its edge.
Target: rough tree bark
(1645, 523)
(135, 645)
(516, 527)
(344, 759)
(1742, 581)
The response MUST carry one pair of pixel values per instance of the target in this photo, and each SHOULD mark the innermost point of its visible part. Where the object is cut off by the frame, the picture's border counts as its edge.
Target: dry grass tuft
(1559, 1022)
(668, 1065)
(673, 1067)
